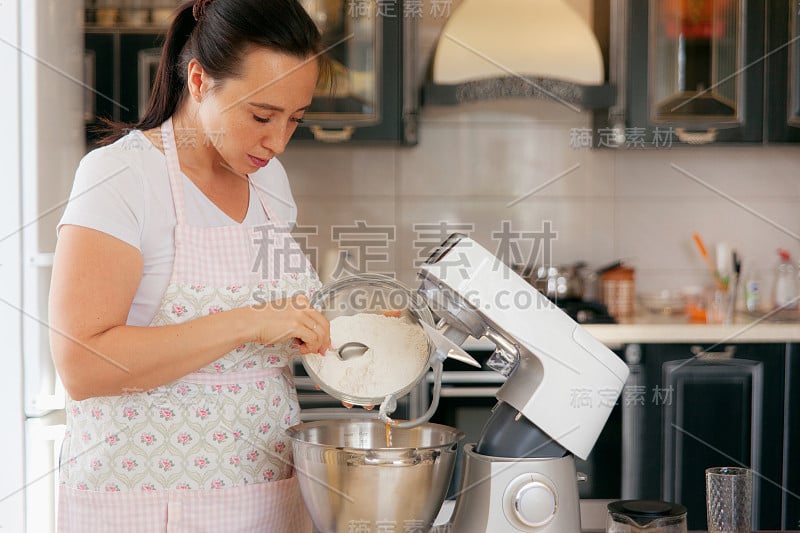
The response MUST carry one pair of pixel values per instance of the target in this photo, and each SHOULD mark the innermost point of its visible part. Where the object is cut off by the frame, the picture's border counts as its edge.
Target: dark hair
(225, 29)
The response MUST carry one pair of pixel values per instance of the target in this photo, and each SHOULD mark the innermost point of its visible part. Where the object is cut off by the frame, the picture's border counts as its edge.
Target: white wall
(11, 410)
(472, 161)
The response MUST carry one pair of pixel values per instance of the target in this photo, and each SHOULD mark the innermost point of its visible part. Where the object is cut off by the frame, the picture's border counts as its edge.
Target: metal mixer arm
(437, 389)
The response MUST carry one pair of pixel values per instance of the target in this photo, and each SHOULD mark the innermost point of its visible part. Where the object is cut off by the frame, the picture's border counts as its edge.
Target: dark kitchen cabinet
(720, 406)
(790, 494)
(783, 71)
(120, 66)
(370, 94)
(701, 71)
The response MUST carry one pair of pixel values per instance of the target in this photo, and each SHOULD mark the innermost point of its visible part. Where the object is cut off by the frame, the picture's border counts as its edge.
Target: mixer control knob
(535, 504)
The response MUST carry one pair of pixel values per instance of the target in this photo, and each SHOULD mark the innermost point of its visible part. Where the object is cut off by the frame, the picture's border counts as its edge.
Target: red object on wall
(694, 19)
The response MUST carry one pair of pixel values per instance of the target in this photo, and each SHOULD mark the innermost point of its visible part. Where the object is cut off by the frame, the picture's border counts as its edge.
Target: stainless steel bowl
(351, 481)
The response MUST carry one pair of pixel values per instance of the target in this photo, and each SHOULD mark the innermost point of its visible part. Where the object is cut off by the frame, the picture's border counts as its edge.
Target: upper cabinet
(367, 91)
(783, 71)
(697, 70)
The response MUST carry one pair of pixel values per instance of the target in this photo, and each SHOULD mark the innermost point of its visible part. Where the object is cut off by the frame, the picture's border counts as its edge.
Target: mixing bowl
(374, 294)
(351, 481)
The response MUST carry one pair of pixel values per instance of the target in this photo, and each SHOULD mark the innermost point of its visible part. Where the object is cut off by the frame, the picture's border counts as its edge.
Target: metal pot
(556, 282)
(350, 479)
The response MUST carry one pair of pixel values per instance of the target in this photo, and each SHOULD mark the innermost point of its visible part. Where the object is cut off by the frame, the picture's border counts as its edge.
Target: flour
(397, 355)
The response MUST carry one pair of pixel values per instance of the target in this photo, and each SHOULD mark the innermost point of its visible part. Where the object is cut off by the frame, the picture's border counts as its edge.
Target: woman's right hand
(293, 318)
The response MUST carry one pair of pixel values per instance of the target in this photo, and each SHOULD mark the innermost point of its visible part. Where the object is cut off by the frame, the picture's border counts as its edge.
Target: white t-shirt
(123, 190)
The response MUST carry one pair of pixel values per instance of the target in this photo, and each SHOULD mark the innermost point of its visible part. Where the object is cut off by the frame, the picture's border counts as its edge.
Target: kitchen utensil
(733, 286)
(729, 499)
(350, 480)
(701, 247)
(350, 350)
(375, 294)
(645, 516)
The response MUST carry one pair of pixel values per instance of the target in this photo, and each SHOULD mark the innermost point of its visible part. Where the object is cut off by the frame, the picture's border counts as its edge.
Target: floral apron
(206, 453)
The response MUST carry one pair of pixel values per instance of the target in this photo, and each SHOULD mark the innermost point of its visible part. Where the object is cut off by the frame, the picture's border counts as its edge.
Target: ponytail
(170, 83)
(217, 36)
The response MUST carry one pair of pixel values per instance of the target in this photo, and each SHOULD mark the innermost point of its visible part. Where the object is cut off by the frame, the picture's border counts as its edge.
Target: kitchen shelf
(582, 96)
(124, 29)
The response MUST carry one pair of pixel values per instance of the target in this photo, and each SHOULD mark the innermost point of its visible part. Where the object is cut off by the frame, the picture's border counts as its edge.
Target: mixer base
(500, 494)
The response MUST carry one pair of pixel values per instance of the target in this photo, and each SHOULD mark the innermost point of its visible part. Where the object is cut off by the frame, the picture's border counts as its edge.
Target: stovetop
(586, 312)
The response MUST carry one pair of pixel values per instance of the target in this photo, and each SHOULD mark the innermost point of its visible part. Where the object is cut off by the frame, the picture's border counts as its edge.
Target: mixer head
(545, 354)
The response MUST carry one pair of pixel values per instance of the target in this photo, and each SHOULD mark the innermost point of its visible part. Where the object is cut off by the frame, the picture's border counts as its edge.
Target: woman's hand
(293, 318)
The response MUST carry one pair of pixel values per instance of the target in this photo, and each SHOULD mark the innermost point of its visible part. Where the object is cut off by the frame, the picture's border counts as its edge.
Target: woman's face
(249, 119)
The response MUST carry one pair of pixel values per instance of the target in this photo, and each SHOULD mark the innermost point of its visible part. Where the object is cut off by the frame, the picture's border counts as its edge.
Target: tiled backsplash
(483, 164)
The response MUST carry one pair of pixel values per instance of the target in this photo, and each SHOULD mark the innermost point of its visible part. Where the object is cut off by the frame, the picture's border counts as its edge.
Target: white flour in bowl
(398, 353)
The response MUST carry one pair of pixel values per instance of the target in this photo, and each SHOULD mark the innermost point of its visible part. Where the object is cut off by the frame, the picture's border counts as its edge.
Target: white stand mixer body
(500, 494)
(550, 362)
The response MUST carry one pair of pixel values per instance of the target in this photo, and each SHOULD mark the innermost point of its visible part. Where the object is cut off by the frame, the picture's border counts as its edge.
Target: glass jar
(377, 295)
(645, 516)
(617, 289)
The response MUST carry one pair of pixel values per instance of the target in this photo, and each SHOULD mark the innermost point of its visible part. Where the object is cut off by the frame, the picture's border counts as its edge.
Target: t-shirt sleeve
(107, 195)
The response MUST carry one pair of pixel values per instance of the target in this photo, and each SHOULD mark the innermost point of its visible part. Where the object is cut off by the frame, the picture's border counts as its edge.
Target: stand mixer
(520, 475)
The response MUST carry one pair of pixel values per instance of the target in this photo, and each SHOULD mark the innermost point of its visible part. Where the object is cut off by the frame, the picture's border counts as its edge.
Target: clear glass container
(645, 516)
(695, 55)
(374, 294)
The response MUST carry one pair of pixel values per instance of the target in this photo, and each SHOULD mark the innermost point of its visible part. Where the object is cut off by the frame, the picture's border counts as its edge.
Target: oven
(466, 402)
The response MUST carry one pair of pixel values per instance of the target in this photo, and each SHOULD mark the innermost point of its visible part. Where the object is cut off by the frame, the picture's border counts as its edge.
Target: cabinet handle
(332, 136)
(696, 137)
(727, 353)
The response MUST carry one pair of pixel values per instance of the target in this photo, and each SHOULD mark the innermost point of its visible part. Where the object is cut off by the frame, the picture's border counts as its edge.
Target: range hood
(493, 49)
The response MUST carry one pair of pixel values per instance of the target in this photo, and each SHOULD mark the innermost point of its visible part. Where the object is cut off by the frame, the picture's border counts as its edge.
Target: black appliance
(585, 311)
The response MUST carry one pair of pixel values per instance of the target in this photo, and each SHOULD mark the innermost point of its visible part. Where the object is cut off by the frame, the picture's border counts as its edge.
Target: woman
(178, 296)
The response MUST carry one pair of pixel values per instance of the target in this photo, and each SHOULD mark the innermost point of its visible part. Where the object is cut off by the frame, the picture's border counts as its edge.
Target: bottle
(785, 289)
(752, 295)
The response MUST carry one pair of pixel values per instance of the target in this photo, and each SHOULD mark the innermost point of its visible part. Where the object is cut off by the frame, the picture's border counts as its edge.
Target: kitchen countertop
(440, 524)
(653, 328)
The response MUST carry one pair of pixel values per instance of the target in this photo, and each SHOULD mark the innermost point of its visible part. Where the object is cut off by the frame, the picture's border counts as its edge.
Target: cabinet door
(783, 71)
(102, 98)
(366, 97)
(695, 69)
(790, 496)
(135, 83)
(711, 419)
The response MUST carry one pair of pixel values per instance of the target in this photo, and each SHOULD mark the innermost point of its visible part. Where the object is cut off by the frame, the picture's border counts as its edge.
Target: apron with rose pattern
(206, 453)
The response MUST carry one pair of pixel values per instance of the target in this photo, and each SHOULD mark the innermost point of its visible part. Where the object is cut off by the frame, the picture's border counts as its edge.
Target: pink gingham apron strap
(174, 169)
(208, 255)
